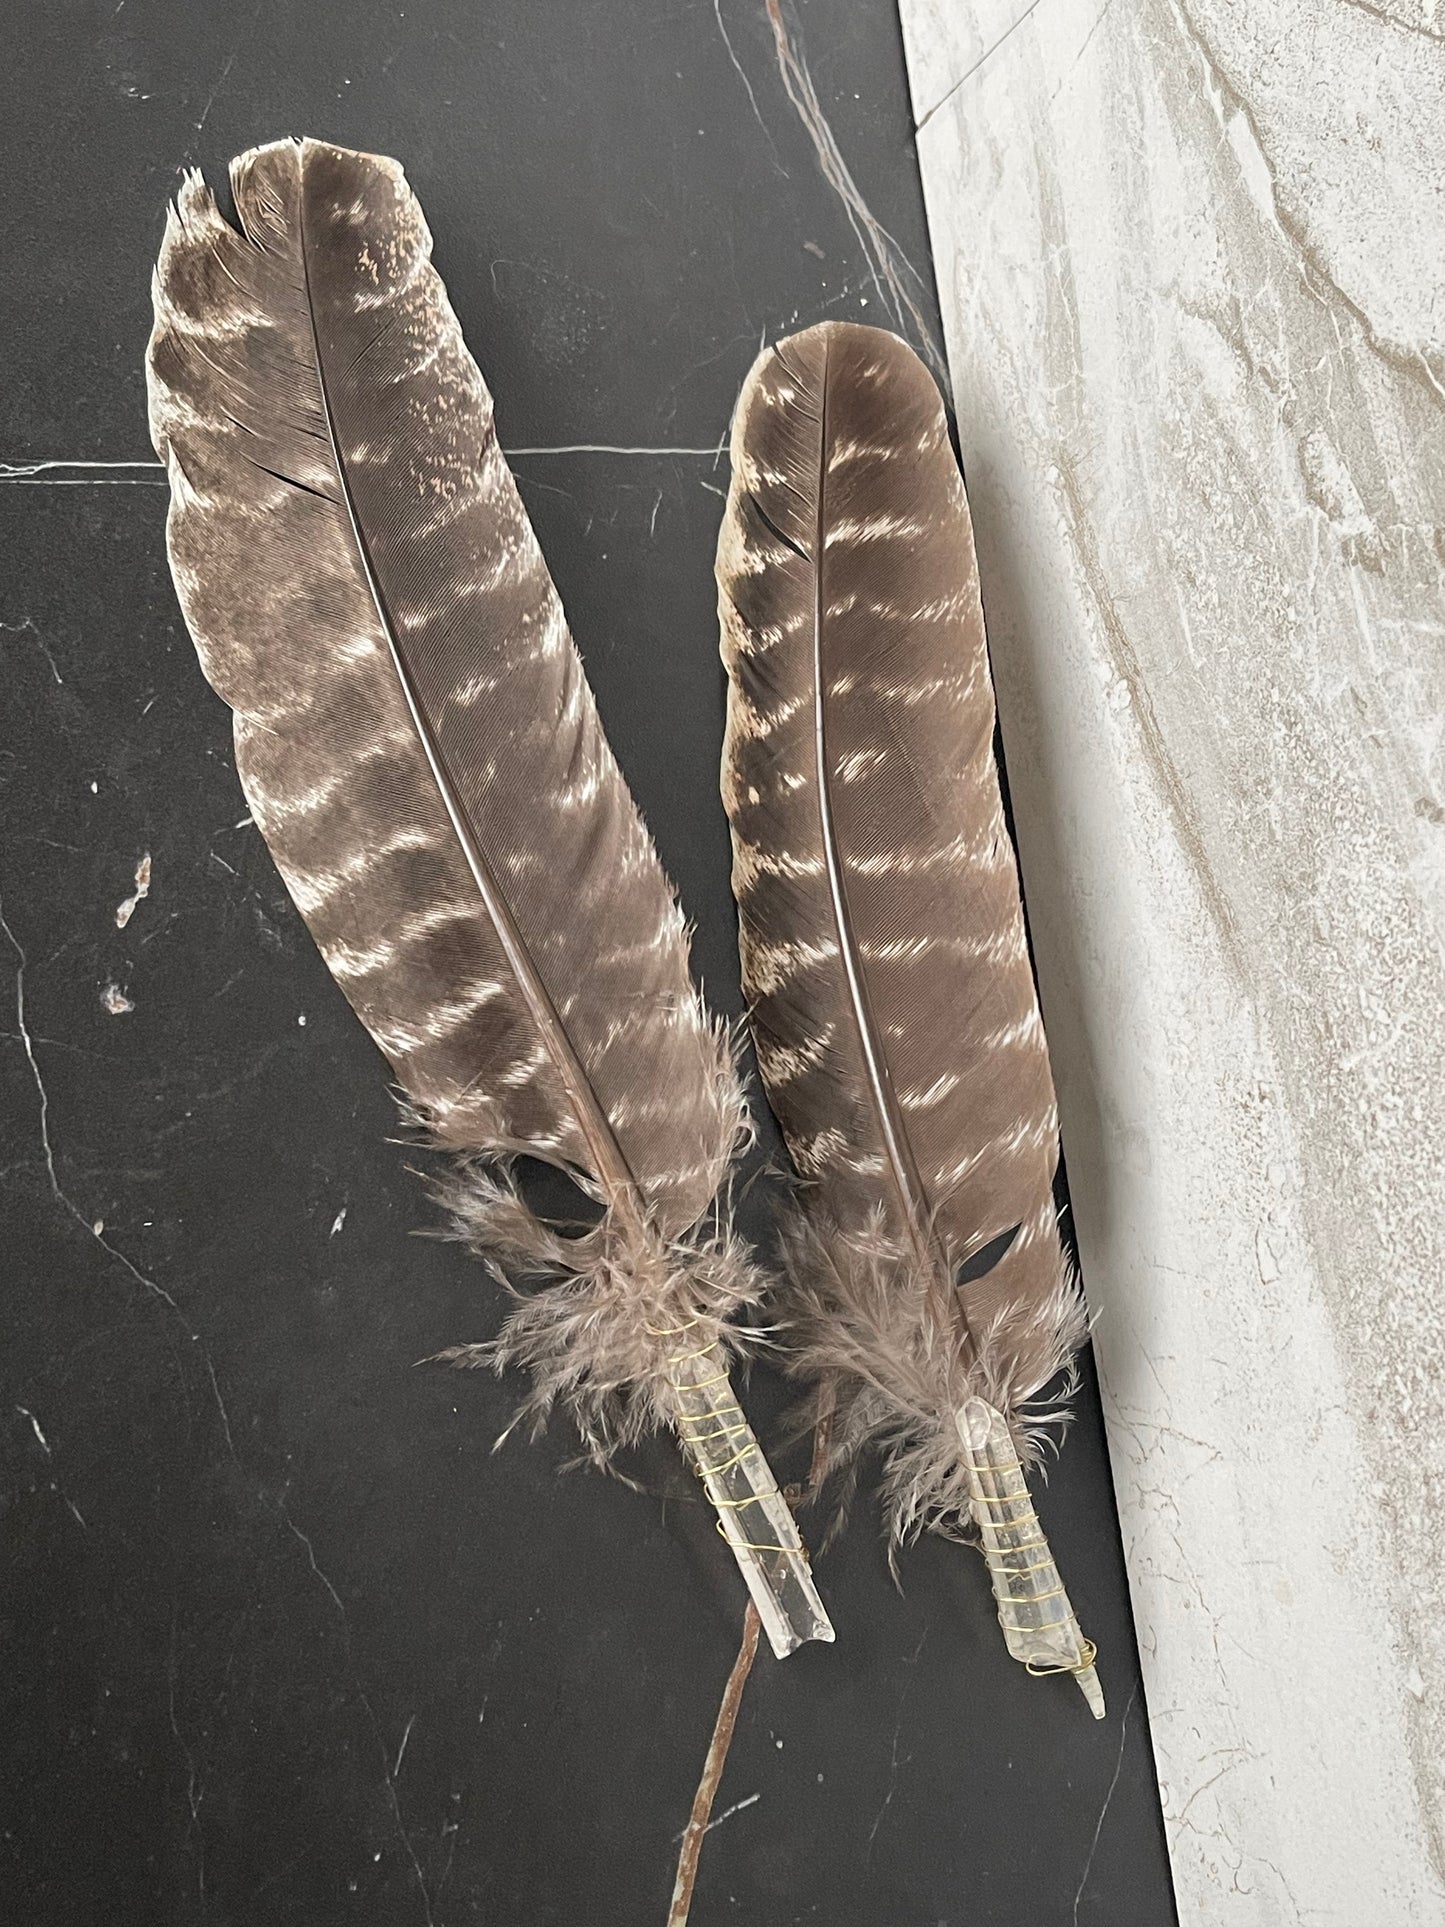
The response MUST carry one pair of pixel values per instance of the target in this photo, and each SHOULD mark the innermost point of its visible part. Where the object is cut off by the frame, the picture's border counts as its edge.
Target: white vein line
(747, 86)
(882, 255)
(25, 1412)
(29, 1047)
(58, 473)
(311, 1559)
(728, 1812)
(38, 468)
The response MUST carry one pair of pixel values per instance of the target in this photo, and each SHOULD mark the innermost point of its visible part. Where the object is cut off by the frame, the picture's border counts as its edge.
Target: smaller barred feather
(882, 935)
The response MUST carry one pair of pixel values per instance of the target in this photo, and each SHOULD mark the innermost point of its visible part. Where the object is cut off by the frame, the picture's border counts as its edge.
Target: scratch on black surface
(897, 1730)
(93, 1228)
(388, 1771)
(221, 80)
(71, 1507)
(293, 1528)
(195, 1792)
(1108, 1799)
(225, 73)
(892, 1783)
(44, 1443)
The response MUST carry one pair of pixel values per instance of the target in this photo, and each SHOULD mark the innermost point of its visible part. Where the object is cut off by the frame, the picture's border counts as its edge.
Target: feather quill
(884, 953)
(421, 751)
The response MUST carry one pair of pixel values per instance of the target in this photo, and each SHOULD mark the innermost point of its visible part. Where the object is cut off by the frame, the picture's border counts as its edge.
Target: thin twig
(827, 1410)
(712, 1771)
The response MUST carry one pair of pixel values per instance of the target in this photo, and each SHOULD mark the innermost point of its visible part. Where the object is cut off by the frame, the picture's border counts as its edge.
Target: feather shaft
(607, 1160)
(912, 1208)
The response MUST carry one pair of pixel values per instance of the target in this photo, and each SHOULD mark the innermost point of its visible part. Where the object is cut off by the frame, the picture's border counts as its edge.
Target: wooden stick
(712, 1771)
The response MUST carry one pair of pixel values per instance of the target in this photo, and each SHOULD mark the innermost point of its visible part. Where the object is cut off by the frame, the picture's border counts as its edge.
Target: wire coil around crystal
(731, 1424)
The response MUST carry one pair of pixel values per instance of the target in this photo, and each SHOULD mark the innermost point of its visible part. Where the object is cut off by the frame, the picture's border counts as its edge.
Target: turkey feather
(421, 751)
(884, 953)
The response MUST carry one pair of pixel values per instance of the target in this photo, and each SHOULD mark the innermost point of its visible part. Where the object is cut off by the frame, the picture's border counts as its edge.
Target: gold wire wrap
(701, 1468)
(729, 1461)
(1091, 1653)
(1038, 1622)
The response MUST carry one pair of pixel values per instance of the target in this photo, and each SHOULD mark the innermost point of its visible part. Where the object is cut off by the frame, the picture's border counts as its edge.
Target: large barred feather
(884, 952)
(421, 751)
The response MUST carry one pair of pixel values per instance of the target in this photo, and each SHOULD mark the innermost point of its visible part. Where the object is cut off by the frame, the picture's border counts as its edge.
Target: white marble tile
(1192, 265)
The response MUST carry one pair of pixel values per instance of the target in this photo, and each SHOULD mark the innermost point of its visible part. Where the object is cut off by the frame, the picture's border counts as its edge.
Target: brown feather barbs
(421, 751)
(884, 955)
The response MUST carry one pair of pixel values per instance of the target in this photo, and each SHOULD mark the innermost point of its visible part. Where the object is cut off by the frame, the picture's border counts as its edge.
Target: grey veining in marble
(1189, 263)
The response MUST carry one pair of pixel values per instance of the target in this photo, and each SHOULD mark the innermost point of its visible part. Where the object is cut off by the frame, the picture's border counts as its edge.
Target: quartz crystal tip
(798, 1630)
(1092, 1691)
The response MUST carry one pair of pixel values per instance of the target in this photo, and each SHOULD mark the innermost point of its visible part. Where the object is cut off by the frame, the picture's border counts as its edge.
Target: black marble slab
(282, 1640)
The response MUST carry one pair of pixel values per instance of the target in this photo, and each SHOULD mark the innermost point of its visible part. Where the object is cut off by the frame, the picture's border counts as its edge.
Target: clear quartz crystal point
(753, 1515)
(1038, 1622)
